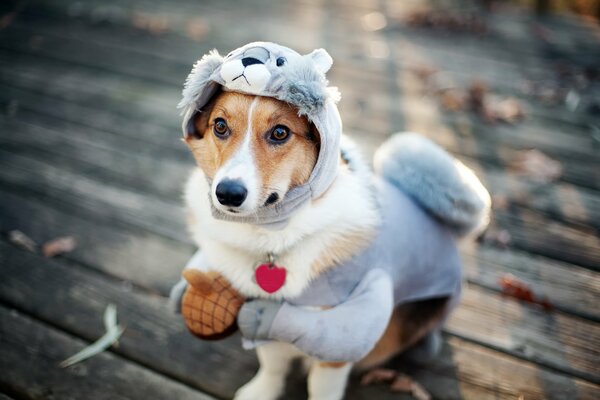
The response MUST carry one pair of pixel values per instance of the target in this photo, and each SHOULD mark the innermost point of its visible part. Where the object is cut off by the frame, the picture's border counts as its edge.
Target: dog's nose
(231, 193)
(250, 61)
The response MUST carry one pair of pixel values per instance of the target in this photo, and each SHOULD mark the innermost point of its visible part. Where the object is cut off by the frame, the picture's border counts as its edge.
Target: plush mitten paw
(256, 317)
(210, 305)
(176, 294)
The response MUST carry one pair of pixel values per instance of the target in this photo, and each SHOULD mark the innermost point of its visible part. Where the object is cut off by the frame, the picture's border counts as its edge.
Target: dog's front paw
(262, 387)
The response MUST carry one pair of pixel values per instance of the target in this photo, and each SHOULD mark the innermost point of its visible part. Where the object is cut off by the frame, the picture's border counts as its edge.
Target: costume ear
(322, 59)
(197, 80)
(198, 90)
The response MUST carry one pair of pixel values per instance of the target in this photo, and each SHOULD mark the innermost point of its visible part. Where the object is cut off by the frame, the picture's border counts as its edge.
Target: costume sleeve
(197, 262)
(344, 333)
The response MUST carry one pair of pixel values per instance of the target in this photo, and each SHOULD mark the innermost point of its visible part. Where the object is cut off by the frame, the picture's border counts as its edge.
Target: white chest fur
(235, 249)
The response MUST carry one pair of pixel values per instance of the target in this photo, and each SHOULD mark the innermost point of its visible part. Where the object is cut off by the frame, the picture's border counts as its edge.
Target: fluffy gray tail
(440, 183)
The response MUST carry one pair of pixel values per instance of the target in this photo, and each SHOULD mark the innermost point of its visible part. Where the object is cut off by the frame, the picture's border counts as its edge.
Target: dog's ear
(198, 121)
(314, 135)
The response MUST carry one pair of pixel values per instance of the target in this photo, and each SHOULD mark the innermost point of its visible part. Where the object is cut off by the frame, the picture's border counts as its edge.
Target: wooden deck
(89, 147)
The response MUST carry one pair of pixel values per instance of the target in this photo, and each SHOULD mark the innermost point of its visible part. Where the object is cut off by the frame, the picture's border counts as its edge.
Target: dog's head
(253, 149)
(264, 127)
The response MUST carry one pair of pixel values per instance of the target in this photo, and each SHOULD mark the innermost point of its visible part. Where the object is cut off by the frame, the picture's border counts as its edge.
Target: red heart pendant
(270, 277)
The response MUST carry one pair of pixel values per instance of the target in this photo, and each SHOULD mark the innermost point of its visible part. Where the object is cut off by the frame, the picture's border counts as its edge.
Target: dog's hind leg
(327, 381)
(269, 382)
(411, 324)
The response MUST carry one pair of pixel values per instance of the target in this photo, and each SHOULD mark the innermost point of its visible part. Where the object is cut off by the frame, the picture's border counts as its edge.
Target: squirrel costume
(425, 199)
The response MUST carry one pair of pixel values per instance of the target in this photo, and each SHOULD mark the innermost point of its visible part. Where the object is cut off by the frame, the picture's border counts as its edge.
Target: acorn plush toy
(210, 305)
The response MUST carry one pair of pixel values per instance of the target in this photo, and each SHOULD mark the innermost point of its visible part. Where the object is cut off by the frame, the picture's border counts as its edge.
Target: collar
(273, 216)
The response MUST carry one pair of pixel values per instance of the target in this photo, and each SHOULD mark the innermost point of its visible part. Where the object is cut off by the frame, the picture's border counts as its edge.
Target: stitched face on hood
(270, 70)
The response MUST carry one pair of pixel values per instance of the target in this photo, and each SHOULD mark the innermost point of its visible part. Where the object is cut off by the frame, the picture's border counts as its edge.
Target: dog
(369, 265)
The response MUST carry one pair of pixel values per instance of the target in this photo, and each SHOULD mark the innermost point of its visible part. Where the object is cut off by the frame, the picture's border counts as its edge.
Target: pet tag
(269, 276)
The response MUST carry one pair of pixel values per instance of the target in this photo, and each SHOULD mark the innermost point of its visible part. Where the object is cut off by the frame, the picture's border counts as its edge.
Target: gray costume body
(426, 200)
(417, 252)
(412, 257)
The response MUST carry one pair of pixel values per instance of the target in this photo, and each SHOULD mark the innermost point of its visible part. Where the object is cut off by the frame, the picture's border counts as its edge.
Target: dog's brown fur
(281, 166)
(409, 323)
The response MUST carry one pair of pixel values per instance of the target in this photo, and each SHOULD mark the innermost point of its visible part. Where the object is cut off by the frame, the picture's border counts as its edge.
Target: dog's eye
(220, 128)
(279, 134)
(280, 61)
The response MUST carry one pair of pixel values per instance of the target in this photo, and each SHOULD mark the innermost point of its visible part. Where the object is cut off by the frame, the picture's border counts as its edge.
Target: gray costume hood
(268, 69)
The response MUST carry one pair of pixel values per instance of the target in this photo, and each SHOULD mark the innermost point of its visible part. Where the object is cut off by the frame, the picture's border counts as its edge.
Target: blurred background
(92, 170)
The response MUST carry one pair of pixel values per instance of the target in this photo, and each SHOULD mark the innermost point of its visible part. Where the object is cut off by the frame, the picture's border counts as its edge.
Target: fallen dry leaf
(20, 239)
(378, 375)
(476, 97)
(7, 19)
(513, 287)
(424, 72)
(536, 165)
(59, 246)
(498, 237)
(406, 384)
(453, 22)
(400, 382)
(197, 28)
(156, 24)
(509, 110)
(419, 392)
(110, 338)
(500, 202)
(453, 100)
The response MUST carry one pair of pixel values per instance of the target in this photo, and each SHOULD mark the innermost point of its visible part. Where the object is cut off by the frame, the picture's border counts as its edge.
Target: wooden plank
(32, 350)
(153, 103)
(497, 50)
(98, 118)
(492, 144)
(569, 288)
(541, 196)
(89, 197)
(151, 261)
(74, 300)
(130, 256)
(180, 54)
(183, 51)
(566, 344)
(124, 162)
(81, 296)
(108, 158)
(557, 200)
(97, 57)
(567, 144)
(555, 340)
(530, 230)
(508, 77)
(134, 99)
(493, 376)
